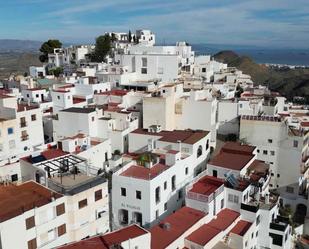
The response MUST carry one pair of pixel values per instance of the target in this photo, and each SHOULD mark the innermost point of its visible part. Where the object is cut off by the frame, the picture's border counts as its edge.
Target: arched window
(199, 151)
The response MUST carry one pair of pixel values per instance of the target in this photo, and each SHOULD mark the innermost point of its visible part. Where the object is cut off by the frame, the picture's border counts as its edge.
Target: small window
(60, 209)
(258, 219)
(270, 141)
(138, 195)
(33, 117)
(98, 195)
(30, 222)
(32, 244)
(144, 70)
(157, 214)
(173, 183)
(10, 130)
(272, 152)
(258, 151)
(186, 170)
(165, 206)
(165, 185)
(58, 97)
(14, 178)
(222, 203)
(295, 143)
(36, 95)
(123, 192)
(289, 189)
(264, 152)
(82, 203)
(92, 119)
(278, 175)
(62, 230)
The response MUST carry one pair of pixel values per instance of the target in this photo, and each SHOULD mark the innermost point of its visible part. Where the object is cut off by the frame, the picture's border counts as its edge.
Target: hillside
(11, 45)
(289, 82)
(17, 63)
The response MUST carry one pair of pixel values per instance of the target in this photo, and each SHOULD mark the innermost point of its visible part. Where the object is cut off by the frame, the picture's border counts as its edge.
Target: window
(240, 106)
(32, 244)
(180, 194)
(157, 195)
(157, 214)
(144, 62)
(82, 203)
(222, 203)
(28, 95)
(236, 199)
(204, 70)
(173, 183)
(186, 170)
(36, 95)
(98, 195)
(60, 209)
(165, 185)
(30, 222)
(295, 143)
(12, 144)
(207, 144)
(270, 141)
(233, 198)
(58, 97)
(144, 70)
(138, 195)
(278, 175)
(257, 233)
(258, 151)
(123, 192)
(10, 130)
(264, 152)
(199, 151)
(14, 178)
(165, 206)
(258, 219)
(92, 119)
(33, 117)
(61, 230)
(272, 152)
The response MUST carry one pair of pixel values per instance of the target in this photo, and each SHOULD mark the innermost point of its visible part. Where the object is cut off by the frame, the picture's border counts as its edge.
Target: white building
(158, 184)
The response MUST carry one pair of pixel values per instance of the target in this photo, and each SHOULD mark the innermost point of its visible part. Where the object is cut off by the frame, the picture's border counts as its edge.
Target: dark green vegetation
(288, 82)
(48, 48)
(103, 48)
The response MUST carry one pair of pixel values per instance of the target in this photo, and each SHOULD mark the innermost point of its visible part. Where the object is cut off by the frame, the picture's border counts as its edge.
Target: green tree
(47, 48)
(55, 71)
(103, 47)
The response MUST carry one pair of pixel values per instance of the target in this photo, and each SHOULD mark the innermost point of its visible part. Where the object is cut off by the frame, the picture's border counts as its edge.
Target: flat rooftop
(173, 226)
(206, 185)
(15, 200)
(185, 136)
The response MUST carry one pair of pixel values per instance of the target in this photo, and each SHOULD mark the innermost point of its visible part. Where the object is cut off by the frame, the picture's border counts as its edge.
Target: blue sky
(266, 23)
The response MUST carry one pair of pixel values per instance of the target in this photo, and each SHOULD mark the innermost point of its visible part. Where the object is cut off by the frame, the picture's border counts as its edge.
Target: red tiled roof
(15, 200)
(144, 173)
(231, 160)
(179, 223)
(207, 232)
(108, 240)
(241, 227)
(305, 124)
(124, 234)
(207, 185)
(185, 136)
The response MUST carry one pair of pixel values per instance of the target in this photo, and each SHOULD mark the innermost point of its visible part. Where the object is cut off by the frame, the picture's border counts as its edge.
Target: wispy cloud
(254, 22)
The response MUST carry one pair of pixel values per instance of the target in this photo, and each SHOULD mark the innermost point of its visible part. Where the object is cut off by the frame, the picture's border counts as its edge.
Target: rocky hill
(289, 82)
